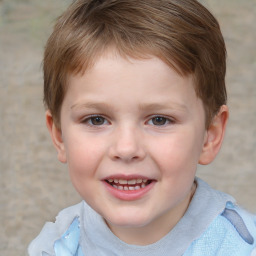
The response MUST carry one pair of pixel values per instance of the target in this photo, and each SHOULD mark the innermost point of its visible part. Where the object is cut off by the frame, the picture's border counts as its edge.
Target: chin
(128, 221)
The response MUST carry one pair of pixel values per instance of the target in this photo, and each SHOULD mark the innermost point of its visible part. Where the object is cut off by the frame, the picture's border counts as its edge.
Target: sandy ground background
(33, 185)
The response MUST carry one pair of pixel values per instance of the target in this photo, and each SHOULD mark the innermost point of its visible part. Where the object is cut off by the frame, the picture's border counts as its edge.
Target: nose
(127, 145)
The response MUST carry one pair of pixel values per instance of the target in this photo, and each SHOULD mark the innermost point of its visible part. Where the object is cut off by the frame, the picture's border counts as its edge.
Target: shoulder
(51, 232)
(233, 232)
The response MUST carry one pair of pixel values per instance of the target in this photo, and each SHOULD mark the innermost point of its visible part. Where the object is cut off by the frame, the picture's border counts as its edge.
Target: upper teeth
(129, 182)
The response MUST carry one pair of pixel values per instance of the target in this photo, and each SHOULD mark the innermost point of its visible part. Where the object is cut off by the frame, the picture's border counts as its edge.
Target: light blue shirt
(212, 226)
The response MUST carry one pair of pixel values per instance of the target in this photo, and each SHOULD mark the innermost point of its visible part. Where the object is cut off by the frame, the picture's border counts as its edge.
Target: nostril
(126, 146)
(127, 154)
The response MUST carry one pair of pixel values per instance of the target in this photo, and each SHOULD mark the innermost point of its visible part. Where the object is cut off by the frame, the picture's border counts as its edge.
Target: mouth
(128, 184)
(129, 188)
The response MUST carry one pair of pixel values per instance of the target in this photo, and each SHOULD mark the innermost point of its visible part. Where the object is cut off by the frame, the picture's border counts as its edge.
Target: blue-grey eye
(97, 120)
(159, 120)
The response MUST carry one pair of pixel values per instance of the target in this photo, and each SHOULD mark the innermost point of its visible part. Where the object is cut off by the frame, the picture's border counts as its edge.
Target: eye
(95, 121)
(159, 121)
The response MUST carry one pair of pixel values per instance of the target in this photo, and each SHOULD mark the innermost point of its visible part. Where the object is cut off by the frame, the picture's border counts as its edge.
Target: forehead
(122, 66)
(149, 79)
(111, 52)
(150, 63)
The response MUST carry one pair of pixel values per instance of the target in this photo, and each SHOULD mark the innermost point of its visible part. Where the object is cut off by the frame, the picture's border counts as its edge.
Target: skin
(135, 119)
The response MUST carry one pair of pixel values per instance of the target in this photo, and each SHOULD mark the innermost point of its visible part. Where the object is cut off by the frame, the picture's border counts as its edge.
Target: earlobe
(56, 136)
(214, 136)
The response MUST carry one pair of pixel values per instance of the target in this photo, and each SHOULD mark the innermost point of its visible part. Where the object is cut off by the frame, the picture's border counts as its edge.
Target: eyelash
(88, 120)
(166, 120)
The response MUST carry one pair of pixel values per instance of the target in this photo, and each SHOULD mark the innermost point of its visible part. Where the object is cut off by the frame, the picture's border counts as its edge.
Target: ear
(214, 136)
(56, 136)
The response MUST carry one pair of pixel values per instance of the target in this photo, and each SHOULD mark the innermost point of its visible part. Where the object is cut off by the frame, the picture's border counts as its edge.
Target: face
(132, 135)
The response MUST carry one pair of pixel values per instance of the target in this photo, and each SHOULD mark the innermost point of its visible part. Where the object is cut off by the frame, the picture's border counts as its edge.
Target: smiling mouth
(128, 185)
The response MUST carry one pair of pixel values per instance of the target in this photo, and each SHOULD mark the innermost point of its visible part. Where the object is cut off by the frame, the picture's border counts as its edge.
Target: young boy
(135, 96)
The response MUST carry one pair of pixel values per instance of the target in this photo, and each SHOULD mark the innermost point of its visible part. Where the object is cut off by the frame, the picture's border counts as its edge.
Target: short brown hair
(182, 33)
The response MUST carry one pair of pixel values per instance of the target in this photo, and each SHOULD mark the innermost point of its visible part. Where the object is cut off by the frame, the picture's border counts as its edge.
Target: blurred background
(34, 186)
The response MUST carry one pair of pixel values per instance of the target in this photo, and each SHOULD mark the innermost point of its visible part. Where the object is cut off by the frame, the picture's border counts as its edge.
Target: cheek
(177, 162)
(177, 154)
(83, 161)
(84, 156)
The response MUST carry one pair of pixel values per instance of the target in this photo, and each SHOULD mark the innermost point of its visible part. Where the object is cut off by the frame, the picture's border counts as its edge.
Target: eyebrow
(91, 105)
(142, 106)
(161, 106)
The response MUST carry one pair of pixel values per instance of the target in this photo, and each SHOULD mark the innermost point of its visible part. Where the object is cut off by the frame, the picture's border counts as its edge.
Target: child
(135, 96)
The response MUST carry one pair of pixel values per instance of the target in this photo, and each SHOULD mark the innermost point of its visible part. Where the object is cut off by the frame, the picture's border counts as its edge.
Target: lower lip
(129, 195)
